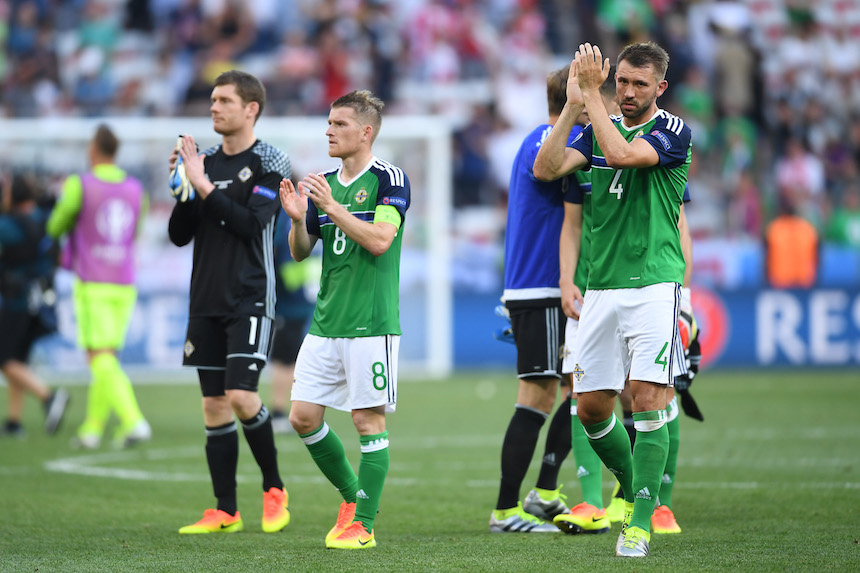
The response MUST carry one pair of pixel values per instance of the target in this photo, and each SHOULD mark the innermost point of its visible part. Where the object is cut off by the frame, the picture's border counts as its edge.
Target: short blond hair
(367, 107)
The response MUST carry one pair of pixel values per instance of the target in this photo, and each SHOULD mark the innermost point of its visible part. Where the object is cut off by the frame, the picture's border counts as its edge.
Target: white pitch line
(98, 465)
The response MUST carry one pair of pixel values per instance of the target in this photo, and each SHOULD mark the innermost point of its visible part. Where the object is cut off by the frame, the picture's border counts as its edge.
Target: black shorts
(238, 346)
(289, 333)
(18, 331)
(539, 336)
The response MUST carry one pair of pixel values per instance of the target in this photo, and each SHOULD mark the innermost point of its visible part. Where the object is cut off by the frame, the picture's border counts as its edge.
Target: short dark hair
(556, 90)
(643, 54)
(367, 107)
(248, 87)
(105, 141)
(607, 88)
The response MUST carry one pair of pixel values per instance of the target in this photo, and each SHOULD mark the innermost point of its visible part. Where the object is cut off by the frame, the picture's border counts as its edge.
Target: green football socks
(372, 470)
(668, 482)
(649, 460)
(327, 451)
(588, 464)
(610, 441)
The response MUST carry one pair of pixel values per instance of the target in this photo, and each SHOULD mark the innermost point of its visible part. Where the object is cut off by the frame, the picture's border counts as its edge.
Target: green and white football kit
(630, 312)
(349, 358)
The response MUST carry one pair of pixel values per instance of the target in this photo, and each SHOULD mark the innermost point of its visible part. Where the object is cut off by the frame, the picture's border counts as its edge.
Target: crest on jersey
(245, 173)
(640, 133)
(361, 196)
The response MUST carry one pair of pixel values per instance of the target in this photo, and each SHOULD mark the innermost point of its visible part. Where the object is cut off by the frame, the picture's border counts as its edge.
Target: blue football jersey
(535, 215)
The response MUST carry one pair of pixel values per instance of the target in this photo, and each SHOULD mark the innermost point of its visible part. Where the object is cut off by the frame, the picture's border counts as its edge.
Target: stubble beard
(639, 110)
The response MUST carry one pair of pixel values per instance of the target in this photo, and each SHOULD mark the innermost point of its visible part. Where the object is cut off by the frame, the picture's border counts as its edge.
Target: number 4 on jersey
(615, 187)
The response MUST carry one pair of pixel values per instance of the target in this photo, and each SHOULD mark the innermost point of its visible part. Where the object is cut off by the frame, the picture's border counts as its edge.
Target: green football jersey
(634, 233)
(583, 265)
(359, 292)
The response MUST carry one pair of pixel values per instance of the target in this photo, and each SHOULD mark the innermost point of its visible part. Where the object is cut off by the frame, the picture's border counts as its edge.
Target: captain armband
(387, 214)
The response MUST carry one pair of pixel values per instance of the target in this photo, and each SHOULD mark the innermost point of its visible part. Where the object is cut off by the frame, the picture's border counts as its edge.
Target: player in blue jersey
(533, 298)
(639, 172)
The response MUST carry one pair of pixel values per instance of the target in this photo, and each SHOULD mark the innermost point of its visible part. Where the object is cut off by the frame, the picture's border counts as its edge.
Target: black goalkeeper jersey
(233, 231)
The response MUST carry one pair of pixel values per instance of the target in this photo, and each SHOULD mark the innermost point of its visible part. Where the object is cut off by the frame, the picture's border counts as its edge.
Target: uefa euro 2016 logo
(115, 220)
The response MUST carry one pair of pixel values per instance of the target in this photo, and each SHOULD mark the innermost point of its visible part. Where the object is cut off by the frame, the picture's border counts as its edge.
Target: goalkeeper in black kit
(227, 202)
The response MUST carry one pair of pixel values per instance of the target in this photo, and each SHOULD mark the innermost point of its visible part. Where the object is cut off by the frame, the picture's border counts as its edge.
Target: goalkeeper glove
(504, 334)
(180, 187)
(687, 326)
(693, 354)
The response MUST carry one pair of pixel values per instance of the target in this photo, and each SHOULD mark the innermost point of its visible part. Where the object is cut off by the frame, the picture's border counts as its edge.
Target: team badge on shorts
(564, 351)
(361, 196)
(189, 348)
(578, 372)
(245, 173)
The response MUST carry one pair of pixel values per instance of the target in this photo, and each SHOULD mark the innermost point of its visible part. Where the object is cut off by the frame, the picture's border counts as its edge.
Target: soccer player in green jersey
(348, 360)
(639, 164)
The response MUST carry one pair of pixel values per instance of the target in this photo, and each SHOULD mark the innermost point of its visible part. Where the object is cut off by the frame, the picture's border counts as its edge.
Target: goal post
(420, 145)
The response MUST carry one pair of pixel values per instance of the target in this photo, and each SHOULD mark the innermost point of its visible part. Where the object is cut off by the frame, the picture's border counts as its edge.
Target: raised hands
(313, 186)
(591, 68)
(294, 201)
(574, 94)
(317, 188)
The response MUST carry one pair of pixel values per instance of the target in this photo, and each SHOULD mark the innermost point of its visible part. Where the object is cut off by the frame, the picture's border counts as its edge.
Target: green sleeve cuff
(68, 206)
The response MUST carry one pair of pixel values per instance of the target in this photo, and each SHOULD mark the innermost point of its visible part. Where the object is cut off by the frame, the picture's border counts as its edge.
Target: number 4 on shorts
(661, 358)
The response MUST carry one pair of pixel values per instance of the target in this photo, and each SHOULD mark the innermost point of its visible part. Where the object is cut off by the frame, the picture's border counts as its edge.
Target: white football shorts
(347, 373)
(627, 330)
(568, 352)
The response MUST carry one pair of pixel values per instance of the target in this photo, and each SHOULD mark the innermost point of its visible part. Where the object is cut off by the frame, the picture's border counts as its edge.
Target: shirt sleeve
(183, 222)
(313, 219)
(572, 191)
(583, 143)
(395, 190)
(65, 212)
(670, 137)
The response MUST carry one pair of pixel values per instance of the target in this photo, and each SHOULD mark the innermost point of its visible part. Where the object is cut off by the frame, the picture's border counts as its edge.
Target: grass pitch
(769, 482)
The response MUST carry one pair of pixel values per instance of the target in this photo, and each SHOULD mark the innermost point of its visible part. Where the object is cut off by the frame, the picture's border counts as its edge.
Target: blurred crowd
(771, 88)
